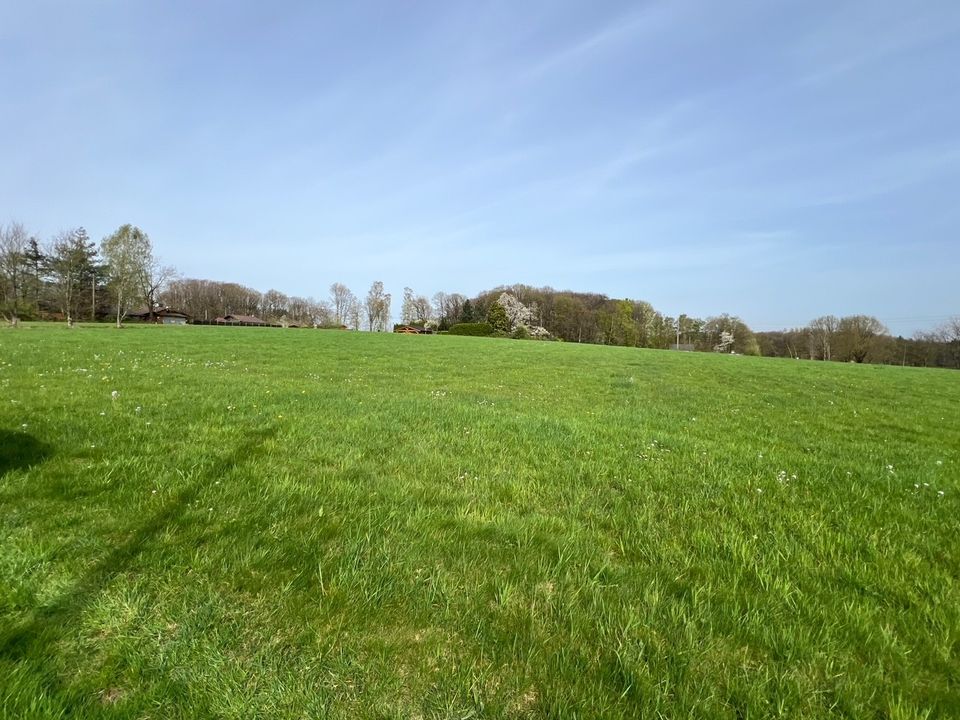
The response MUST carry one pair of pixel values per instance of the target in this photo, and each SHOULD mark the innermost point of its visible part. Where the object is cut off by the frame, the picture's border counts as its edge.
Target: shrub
(481, 329)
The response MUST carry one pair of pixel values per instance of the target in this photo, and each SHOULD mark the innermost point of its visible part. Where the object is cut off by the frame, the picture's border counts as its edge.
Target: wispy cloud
(860, 36)
(616, 33)
(891, 173)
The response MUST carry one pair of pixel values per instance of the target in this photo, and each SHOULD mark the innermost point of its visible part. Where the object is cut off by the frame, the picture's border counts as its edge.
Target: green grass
(288, 524)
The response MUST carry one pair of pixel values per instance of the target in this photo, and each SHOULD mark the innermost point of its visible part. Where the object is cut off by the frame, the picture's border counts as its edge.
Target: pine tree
(74, 271)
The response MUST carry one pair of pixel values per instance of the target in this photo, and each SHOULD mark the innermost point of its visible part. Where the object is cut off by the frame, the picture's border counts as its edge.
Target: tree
(153, 278)
(949, 334)
(275, 306)
(416, 309)
(354, 313)
(725, 333)
(823, 331)
(467, 314)
(569, 317)
(128, 253)
(498, 319)
(517, 312)
(36, 262)
(14, 245)
(378, 308)
(341, 299)
(857, 336)
(72, 266)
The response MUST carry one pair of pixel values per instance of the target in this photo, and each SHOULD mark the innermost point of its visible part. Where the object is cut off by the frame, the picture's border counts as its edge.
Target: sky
(772, 159)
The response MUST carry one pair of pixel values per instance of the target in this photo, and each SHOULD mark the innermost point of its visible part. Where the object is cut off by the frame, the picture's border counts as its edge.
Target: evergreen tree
(74, 271)
(497, 317)
(467, 314)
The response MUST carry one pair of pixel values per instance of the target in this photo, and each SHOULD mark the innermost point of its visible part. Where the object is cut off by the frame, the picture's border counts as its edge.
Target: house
(160, 316)
(240, 320)
(413, 330)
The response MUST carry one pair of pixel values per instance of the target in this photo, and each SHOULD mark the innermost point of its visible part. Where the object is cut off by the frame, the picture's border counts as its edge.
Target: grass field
(245, 522)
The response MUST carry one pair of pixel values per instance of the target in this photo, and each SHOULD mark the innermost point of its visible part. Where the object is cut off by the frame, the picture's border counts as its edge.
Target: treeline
(585, 317)
(209, 300)
(71, 278)
(861, 338)
(525, 311)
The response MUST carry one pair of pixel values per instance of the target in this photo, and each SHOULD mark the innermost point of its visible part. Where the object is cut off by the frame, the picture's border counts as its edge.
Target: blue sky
(776, 160)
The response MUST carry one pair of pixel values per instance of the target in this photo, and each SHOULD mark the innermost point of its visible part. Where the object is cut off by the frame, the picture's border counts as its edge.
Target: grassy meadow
(255, 522)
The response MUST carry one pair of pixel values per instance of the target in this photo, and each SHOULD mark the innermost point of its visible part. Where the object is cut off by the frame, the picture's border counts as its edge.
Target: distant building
(413, 330)
(160, 316)
(240, 320)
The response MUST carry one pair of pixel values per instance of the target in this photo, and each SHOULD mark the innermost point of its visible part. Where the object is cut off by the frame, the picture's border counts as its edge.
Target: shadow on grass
(19, 450)
(34, 641)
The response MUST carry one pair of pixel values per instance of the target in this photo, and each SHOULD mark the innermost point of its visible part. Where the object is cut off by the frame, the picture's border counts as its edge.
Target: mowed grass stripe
(324, 524)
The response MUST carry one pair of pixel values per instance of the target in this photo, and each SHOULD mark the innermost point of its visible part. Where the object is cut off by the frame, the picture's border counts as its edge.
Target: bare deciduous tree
(823, 331)
(340, 300)
(377, 307)
(416, 309)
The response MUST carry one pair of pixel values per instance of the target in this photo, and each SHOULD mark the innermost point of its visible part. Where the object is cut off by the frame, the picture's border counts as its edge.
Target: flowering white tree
(517, 312)
(726, 341)
(520, 316)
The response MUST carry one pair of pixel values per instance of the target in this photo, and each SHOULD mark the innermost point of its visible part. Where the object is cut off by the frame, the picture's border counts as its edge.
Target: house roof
(160, 312)
(241, 318)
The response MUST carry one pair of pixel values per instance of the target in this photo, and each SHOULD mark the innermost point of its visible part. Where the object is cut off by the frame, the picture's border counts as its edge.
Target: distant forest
(70, 278)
